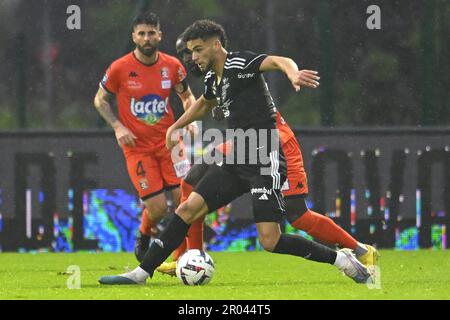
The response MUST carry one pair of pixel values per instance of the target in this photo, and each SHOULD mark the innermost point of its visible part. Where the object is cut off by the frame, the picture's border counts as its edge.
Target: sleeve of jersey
(208, 93)
(110, 81)
(180, 72)
(253, 60)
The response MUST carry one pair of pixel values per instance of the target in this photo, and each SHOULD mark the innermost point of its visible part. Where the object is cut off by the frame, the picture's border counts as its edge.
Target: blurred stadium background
(375, 136)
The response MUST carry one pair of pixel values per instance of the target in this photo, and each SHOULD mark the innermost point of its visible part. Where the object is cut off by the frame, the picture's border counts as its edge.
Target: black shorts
(195, 174)
(222, 184)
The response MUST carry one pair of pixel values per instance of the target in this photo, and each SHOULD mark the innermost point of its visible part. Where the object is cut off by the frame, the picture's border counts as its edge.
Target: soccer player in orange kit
(142, 82)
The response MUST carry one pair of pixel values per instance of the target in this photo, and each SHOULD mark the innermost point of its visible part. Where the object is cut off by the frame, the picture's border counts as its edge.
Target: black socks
(177, 230)
(161, 248)
(301, 247)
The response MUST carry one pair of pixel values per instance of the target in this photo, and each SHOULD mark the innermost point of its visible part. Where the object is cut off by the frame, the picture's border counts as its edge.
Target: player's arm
(197, 111)
(185, 94)
(298, 78)
(103, 100)
(187, 99)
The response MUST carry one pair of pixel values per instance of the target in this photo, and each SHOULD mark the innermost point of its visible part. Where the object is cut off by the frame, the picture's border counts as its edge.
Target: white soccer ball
(195, 268)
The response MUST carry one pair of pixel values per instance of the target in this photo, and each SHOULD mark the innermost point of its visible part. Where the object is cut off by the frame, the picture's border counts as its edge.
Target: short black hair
(149, 18)
(205, 29)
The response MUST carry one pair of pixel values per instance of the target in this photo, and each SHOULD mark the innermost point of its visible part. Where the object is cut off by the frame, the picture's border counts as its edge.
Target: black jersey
(258, 168)
(242, 92)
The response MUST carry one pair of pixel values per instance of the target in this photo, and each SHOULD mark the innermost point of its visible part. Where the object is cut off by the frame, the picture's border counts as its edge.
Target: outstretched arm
(298, 78)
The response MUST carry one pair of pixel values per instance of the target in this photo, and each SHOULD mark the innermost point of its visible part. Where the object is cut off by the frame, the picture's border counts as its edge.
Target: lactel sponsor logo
(150, 108)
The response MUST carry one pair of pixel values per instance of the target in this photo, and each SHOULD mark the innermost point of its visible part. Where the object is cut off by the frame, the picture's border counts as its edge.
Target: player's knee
(186, 212)
(156, 211)
(268, 241)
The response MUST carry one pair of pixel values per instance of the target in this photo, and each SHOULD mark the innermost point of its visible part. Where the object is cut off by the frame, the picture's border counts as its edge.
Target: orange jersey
(142, 93)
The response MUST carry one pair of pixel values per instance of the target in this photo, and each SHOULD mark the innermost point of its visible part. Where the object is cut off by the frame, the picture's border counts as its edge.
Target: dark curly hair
(205, 29)
(149, 18)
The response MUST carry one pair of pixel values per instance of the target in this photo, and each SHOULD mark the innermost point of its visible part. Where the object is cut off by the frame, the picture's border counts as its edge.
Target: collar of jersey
(145, 64)
(223, 71)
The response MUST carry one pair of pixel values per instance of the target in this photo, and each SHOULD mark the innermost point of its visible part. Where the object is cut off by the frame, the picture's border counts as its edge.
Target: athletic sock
(341, 260)
(148, 226)
(195, 234)
(360, 249)
(193, 240)
(301, 247)
(180, 250)
(139, 275)
(161, 248)
(324, 229)
(186, 190)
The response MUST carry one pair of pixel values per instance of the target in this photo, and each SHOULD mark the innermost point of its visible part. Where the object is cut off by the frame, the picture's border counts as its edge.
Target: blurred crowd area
(395, 76)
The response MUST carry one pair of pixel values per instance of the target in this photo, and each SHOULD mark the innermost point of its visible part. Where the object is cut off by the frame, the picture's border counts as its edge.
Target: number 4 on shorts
(140, 169)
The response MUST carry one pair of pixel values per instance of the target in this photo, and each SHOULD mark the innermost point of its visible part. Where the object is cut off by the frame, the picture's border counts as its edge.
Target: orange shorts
(152, 173)
(296, 182)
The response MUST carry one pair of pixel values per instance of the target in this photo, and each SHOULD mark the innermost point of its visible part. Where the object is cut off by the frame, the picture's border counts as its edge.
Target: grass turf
(252, 275)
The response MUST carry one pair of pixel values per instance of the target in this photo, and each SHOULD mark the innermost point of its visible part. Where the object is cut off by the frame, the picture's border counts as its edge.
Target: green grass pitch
(253, 275)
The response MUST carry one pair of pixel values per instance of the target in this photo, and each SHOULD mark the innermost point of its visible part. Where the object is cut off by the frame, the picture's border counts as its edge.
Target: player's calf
(319, 226)
(268, 240)
(156, 207)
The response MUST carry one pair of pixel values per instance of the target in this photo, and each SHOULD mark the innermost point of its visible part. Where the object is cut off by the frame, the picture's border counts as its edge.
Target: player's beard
(208, 67)
(147, 50)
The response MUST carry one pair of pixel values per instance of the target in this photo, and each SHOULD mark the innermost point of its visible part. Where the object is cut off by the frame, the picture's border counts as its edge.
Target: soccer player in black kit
(234, 83)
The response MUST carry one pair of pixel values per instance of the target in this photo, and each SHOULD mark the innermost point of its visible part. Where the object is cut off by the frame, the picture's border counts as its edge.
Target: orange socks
(195, 234)
(180, 250)
(324, 229)
(193, 240)
(148, 226)
(186, 190)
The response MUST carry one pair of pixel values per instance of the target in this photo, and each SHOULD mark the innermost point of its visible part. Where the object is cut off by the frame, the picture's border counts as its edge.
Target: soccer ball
(195, 268)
